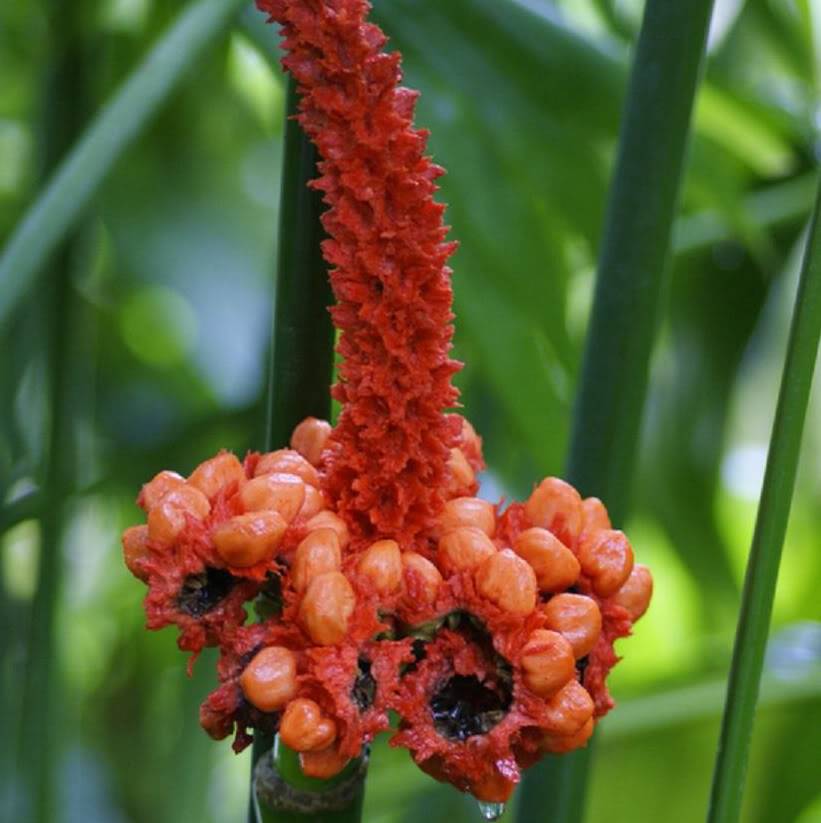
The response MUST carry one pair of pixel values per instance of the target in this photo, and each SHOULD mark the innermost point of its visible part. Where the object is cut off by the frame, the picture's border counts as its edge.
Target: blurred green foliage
(168, 320)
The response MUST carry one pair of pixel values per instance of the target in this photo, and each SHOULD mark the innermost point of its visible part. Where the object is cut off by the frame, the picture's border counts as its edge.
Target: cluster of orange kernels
(491, 640)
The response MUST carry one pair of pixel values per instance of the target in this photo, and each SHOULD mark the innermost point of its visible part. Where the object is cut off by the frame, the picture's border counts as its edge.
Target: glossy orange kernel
(461, 474)
(318, 553)
(248, 539)
(468, 511)
(287, 461)
(158, 487)
(420, 578)
(269, 680)
(492, 788)
(607, 559)
(135, 547)
(464, 549)
(557, 506)
(561, 744)
(569, 709)
(547, 662)
(219, 472)
(327, 607)
(577, 618)
(381, 563)
(283, 493)
(636, 592)
(304, 728)
(324, 764)
(556, 567)
(310, 438)
(594, 515)
(168, 519)
(314, 503)
(507, 580)
(328, 520)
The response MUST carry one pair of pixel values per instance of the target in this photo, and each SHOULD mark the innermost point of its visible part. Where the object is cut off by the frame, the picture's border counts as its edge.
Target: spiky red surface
(389, 273)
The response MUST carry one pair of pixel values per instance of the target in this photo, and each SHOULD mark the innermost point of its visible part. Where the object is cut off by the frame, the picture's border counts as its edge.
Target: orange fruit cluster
(490, 636)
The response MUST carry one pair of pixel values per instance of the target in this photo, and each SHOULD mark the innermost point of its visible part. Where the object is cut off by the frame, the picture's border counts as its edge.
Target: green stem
(299, 386)
(302, 347)
(627, 308)
(65, 109)
(21, 508)
(768, 538)
(75, 181)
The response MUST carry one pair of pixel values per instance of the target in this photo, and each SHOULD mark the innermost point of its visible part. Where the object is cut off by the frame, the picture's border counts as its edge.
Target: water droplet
(491, 811)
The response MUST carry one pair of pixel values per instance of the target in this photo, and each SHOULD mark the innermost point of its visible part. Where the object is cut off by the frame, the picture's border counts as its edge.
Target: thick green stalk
(299, 386)
(302, 347)
(627, 307)
(65, 107)
(80, 174)
(768, 538)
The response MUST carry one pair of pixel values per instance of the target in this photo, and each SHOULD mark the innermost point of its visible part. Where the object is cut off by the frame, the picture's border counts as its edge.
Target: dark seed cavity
(200, 593)
(581, 667)
(269, 601)
(363, 692)
(464, 707)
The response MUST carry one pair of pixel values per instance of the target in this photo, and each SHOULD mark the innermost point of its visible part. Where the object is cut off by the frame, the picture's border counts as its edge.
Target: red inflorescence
(380, 582)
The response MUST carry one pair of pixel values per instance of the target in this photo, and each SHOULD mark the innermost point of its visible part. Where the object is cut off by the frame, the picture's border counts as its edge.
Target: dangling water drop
(491, 811)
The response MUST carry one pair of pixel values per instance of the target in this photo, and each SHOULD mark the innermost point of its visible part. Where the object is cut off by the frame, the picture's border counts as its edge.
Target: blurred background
(144, 346)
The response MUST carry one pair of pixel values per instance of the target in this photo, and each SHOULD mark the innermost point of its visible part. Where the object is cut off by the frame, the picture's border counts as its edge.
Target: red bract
(380, 581)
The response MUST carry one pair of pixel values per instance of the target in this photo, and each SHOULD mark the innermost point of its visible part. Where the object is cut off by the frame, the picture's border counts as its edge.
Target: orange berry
(304, 728)
(594, 515)
(269, 680)
(547, 662)
(168, 519)
(420, 578)
(314, 502)
(460, 474)
(636, 592)
(283, 493)
(381, 563)
(316, 554)
(287, 461)
(219, 472)
(135, 540)
(557, 506)
(310, 437)
(492, 788)
(323, 765)
(327, 607)
(560, 744)
(506, 580)
(248, 539)
(328, 520)
(157, 488)
(467, 511)
(569, 709)
(555, 565)
(607, 559)
(464, 549)
(577, 618)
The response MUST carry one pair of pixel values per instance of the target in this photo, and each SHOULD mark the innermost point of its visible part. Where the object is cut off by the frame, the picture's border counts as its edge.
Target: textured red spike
(390, 278)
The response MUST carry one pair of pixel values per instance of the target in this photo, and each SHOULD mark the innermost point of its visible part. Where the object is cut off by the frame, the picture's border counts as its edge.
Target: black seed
(202, 592)
(363, 692)
(464, 707)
